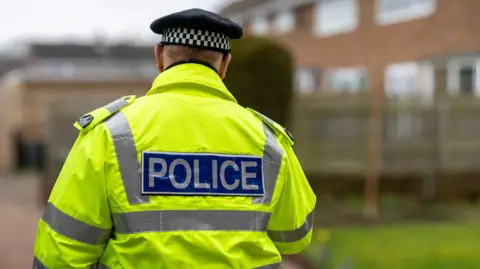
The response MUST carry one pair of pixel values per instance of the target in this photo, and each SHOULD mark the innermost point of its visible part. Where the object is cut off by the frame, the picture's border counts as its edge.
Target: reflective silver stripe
(188, 220)
(116, 105)
(266, 118)
(278, 265)
(272, 161)
(37, 264)
(73, 228)
(126, 150)
(294, 235)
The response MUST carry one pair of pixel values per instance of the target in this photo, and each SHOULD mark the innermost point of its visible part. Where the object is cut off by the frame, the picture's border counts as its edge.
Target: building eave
(264, 8)
(83, 71)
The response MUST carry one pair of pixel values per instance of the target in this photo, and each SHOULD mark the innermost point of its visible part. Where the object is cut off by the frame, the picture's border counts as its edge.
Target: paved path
(18, 221)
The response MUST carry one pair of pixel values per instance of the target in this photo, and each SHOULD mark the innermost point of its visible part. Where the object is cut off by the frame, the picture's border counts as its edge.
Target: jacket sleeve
(291, 225)
(75, 227)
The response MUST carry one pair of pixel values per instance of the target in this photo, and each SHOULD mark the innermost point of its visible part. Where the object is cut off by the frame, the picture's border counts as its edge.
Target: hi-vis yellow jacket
(183, 177)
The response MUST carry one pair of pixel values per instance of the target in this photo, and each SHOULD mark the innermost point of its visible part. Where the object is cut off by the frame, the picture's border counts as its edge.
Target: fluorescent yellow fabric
(79, 192)
(296, 203)
(298, 200)
(187, 110)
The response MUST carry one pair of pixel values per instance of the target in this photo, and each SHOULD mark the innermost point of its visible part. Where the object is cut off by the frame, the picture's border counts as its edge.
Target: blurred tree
(261, 77)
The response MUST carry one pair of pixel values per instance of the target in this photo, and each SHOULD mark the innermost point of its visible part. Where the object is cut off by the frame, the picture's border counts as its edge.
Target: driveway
(18, 223)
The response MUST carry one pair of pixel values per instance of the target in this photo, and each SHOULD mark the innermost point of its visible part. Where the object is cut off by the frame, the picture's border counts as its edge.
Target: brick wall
(452, 28)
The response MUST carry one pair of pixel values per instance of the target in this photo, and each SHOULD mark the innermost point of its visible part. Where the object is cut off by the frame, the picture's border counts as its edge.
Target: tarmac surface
(20, 212)
(18, 222)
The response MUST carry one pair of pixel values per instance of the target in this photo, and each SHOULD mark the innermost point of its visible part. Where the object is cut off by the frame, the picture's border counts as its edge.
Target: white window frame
(284, 21)
(260, 25)
(402, 72)
(306, 80)
(416, 9)
(354, 72)
(322, 13)
(453, 74)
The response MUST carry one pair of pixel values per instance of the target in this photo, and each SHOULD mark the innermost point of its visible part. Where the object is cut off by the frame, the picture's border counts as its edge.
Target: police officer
(183, 177)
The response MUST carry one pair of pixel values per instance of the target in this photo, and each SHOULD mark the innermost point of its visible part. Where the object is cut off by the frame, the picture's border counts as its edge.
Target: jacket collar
(191, 72)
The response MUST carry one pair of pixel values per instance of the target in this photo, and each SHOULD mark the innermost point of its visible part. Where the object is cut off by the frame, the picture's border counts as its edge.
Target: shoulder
(88, 121)
(277, 128)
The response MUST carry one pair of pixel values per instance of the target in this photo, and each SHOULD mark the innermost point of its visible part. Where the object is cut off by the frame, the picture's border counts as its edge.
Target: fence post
(371, 209)
(429, 181)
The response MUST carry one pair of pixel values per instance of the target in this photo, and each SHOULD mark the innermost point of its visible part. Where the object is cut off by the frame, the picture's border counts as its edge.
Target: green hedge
(260, 76)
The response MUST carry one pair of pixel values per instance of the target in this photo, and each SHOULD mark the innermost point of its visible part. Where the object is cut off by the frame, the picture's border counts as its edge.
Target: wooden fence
(415, 136)
(344, 135)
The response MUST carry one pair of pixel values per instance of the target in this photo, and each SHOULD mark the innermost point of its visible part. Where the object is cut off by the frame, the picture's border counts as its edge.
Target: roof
(254, 8)
(241, 5)
(119, 51)
(52, 71)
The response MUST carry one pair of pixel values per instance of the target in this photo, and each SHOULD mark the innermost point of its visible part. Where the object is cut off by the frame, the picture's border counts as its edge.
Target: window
(401, 82)
(467, 76)
(284, 21)
(404, 81)
(307, 79)
(401, 79)
(260, 26)
(346, 80)
(336, 16)
(395, 11)
(462, 76)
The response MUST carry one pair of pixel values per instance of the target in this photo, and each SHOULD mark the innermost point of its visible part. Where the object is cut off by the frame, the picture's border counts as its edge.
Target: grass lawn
(401, 246)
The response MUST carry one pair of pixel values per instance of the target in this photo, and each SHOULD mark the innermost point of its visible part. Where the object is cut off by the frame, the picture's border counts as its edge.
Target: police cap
(197, 28)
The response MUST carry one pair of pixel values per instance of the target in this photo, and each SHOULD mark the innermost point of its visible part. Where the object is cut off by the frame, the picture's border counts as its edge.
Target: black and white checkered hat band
(199, 38)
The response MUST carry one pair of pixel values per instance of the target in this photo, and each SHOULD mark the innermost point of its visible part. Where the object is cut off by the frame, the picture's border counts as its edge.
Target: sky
(82, 20)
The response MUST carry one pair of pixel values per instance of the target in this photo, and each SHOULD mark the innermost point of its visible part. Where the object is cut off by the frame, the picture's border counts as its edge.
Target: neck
(173, 64)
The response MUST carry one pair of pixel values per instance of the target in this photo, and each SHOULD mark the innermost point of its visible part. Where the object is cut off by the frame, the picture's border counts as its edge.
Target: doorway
(27, 154)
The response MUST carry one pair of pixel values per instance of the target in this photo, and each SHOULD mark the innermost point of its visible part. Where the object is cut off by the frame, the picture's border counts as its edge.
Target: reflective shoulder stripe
(88, 121)
(128, 164)
(293, 235)
(278, 265)
(278, 129)
(74, 229)
(272, 162)
(190, 220)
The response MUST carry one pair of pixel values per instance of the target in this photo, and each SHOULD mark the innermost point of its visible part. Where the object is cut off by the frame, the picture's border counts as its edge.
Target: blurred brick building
(90, 74)
(403, 46)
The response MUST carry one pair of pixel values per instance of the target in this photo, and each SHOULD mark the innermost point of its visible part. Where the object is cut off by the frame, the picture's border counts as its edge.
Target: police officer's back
(183, 177)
